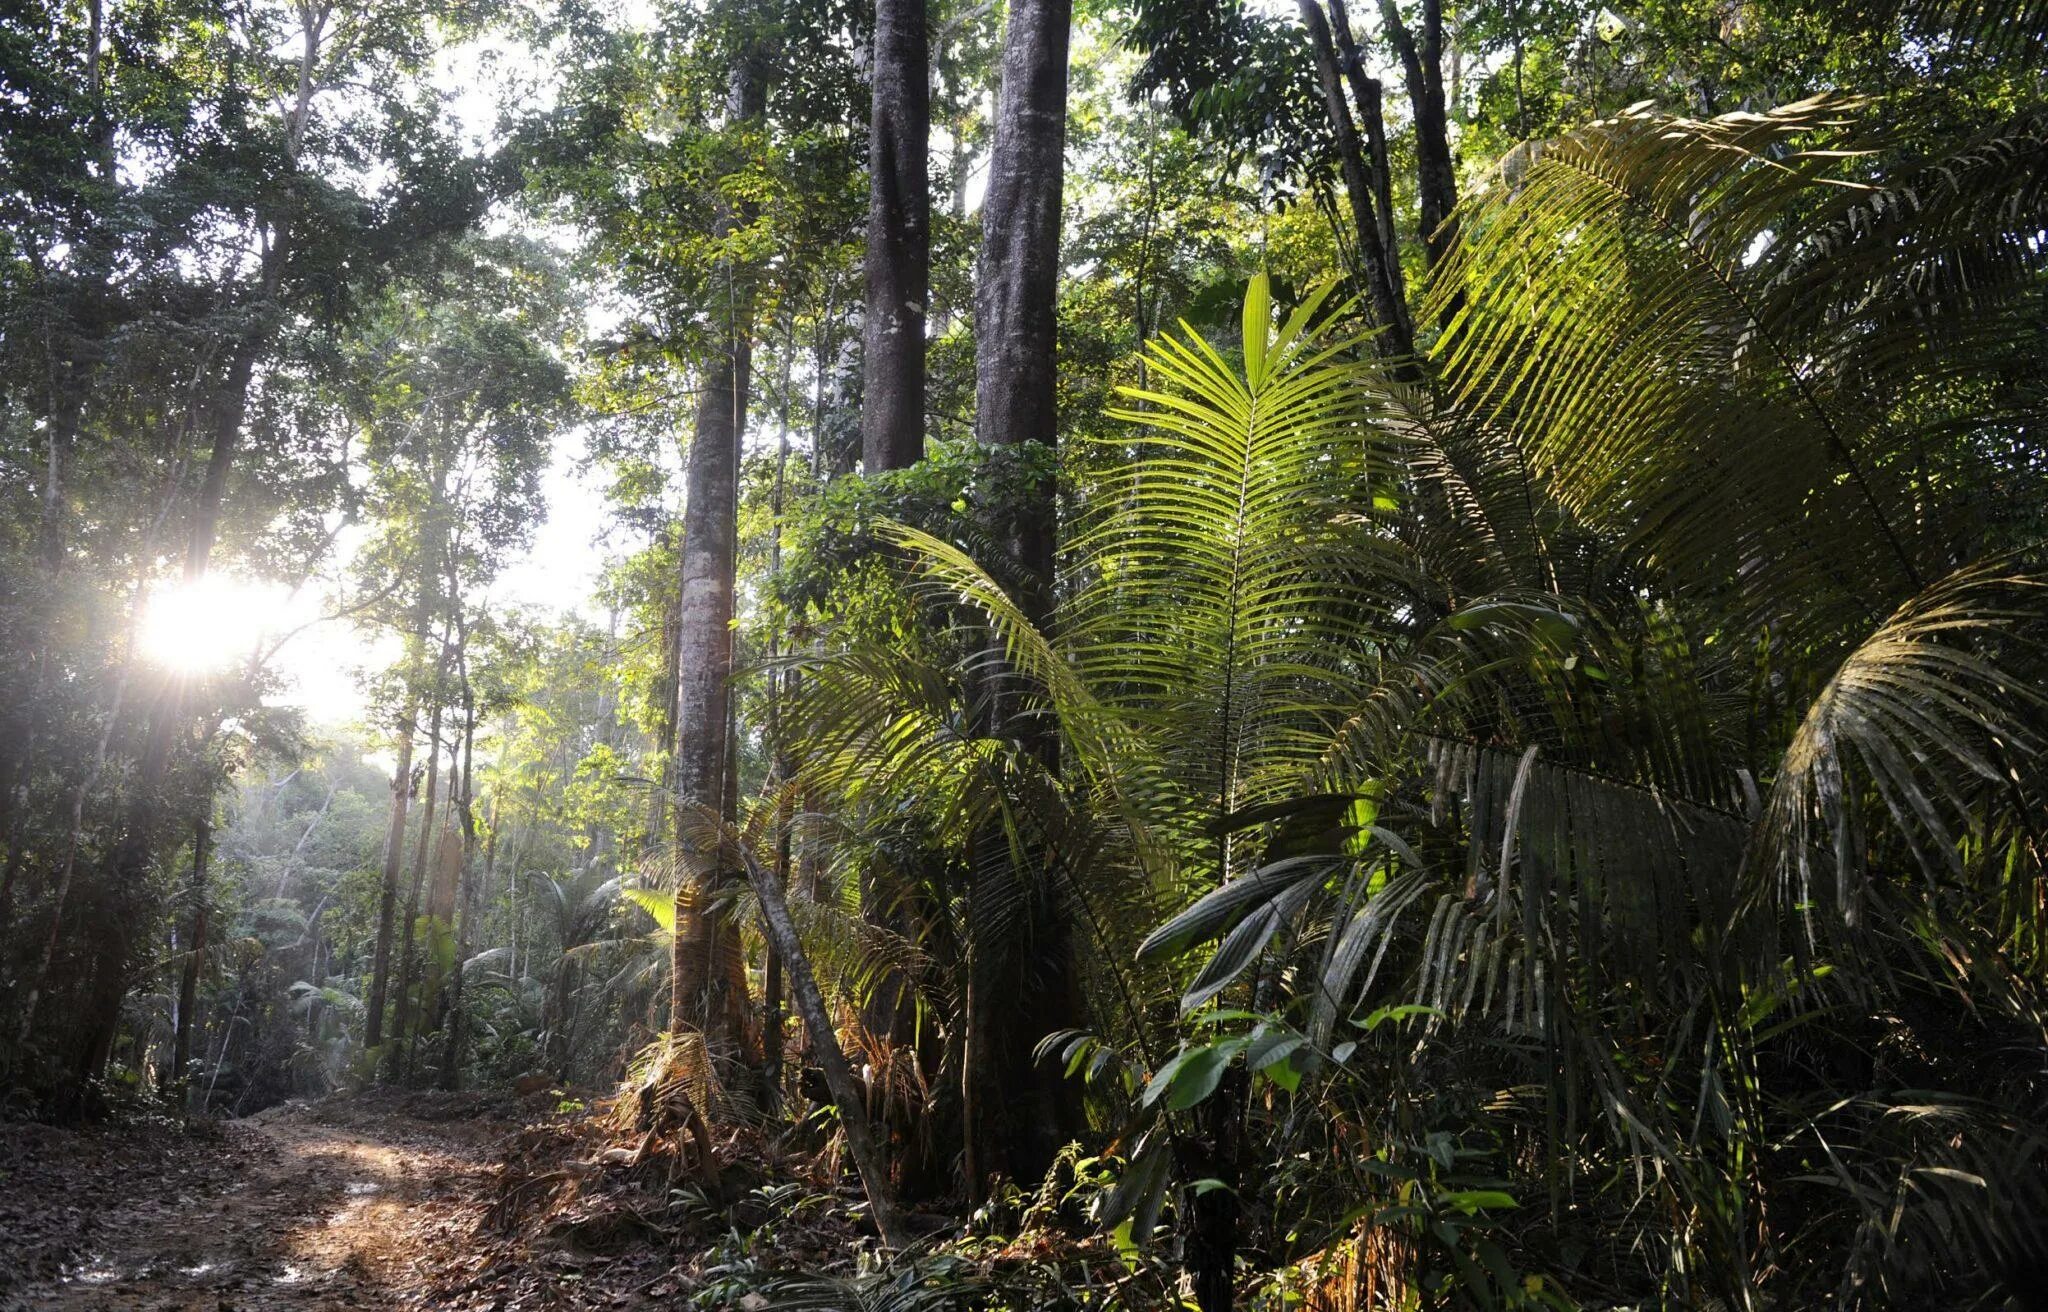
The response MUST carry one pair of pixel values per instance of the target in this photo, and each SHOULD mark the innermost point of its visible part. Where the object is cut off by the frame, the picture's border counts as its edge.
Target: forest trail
(306, 1207)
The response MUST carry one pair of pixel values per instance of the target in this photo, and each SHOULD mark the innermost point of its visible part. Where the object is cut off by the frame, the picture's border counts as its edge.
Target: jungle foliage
(1343, 661)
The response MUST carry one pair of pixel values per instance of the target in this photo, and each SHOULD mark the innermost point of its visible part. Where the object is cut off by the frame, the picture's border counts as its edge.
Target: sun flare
(206, 625)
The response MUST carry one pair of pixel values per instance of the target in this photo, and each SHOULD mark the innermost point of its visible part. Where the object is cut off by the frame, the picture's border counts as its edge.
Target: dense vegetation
(1391, 660)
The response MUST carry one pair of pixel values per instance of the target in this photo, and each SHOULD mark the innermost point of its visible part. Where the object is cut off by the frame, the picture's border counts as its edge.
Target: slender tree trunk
(704, 637)
(771, 969)
(1370, 99)
(220, 460)
(425, 846)
(1436, 172)
(291, 865)
(394, 861)
(465, 911)
(899, 239)
(558, 1029)
(1213, 1236)
(195, 950)
(433, 541)
(729, 989)
(660, 830)
(847, 1095)
(1379, 264)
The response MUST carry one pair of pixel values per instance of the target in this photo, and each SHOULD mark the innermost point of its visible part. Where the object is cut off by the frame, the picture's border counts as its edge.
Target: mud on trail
(344, 1204)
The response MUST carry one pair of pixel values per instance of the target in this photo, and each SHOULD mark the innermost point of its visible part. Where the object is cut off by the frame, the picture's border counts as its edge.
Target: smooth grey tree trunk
(1016, 1114)
(1016, 281)
(433, 538)
(465, 902)
(704, 635)
(899, 239)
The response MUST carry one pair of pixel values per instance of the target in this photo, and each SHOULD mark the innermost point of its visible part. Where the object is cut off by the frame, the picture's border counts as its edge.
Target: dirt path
(325, 1207)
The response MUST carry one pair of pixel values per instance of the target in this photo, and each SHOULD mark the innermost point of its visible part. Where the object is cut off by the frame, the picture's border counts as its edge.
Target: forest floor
(342, 1204)
(351, 1202)
(470, 1202)
(465, 1202)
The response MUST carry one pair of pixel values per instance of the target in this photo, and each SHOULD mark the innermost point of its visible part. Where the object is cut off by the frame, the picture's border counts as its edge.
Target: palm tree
(1612, 770)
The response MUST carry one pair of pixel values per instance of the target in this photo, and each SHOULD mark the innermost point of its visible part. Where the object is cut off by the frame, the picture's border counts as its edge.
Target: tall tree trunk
(704, 637)
(899, 239)
(220, 460)
(394, 862)
(291, 863)
(1370, 99)
(1213, 1236)
(660, 829)
(1436, 172)
(465, 909)
(1379, 263)
(433, 541)
(425, 847)
(1017, 1114)
(1016, 291)
(704, 668)
(893, 350)
(784, 767)
(195, 950)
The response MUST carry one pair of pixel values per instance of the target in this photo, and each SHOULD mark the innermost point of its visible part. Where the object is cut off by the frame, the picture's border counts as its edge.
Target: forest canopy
(1186, 653)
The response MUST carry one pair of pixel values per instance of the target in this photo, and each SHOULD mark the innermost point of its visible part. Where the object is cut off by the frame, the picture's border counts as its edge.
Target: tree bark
(195, 949)
(1015, 1114)
(1379, 264)
(465, 910)
(394, 861)
(899, 239)
(220, 460)
(1436, 173)
(704, 669)
(1213, 1235)
(704, 638)
(772, 988)
(825, 1050)
(433, 539)
(660, 829)
(1370, 98)
(1017, 275)
(425, 846)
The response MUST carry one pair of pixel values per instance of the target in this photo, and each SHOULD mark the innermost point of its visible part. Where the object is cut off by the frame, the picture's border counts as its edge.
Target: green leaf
(1208, 916)
(1397, 1013)
(1258, 328)
(1197, 1078)
(661, 906)
(1469, 1201)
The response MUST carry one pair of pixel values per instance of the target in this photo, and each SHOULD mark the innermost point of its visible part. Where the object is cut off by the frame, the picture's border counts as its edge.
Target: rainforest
(985, 655)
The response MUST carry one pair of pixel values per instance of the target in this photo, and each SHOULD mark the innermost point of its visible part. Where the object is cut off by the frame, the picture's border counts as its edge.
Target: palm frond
(1644, 378)
(1940, 710)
